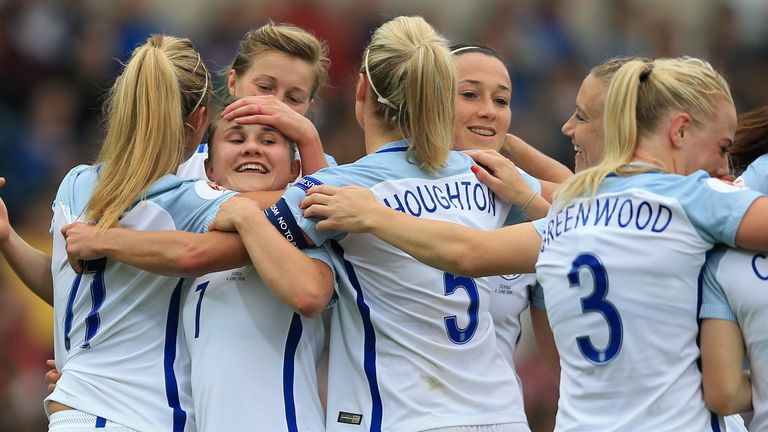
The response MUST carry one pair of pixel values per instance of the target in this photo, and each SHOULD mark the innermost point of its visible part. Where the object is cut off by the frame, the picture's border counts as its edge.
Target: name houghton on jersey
(457, 195)
(621, 212)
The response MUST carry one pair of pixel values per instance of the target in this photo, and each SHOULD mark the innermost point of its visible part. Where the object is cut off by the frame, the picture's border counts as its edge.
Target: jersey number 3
(596, 302)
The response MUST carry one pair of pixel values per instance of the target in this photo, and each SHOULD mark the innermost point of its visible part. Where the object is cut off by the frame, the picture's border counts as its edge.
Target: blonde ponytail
(146, 110)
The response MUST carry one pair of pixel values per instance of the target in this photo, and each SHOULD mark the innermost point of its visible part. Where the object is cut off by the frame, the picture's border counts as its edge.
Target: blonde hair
(288, 39)
(639, 95)
(162, 84)
(411, 70)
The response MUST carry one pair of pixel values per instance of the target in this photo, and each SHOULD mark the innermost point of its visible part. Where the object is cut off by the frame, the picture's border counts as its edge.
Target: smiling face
(585, 126)
(482, 102)
(250, 158)
(288, 78)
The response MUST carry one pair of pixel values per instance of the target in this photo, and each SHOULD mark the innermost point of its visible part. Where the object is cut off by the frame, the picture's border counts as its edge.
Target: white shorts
(504, 427)
(78, 421)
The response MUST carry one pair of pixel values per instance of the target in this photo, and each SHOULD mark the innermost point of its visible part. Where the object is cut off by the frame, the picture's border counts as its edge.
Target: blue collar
(395, 146)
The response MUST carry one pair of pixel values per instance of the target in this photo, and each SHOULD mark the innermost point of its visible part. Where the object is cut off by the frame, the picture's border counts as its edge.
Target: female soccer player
(482, 119)
(241, 322)
(116, 326)
(644, 206)
(734, 301)
(277, 72)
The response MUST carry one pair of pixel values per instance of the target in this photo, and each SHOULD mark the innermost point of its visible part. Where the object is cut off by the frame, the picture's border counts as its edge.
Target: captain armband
(279, 214)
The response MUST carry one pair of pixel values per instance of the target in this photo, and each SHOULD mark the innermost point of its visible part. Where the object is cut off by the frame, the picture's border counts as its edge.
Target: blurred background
(57, 58)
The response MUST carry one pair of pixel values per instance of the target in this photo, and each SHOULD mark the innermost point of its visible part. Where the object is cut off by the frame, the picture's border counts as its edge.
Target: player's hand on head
(83, 243)
(271, 111)
(234, 211)
(346, 209)
(501, 176)
(52, 376)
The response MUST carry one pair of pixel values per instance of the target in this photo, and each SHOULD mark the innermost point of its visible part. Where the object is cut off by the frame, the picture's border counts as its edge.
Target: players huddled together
(212, 257)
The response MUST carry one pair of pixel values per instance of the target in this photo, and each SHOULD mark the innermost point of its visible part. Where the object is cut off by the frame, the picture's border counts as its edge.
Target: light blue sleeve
(288, 219)
(755, 176)
(516, 215)
(714, 304)
(541, 226)
(331, 160)
(715, 208)
(193, 204)
(319, 253)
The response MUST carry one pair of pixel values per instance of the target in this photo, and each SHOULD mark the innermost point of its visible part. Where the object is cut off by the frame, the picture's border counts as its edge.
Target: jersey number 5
(456, 334)
(596, 302)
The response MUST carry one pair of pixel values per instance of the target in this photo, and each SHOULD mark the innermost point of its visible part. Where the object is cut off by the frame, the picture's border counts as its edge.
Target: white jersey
(194, 167)
(510, 296)
(116, 327)
(412, 348)
(736, 289)
(254, 359)
(755, 176)
(620, 280)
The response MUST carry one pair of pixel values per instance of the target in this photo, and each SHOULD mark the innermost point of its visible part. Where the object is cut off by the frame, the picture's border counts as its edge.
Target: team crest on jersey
(214, 186)
(208, 189)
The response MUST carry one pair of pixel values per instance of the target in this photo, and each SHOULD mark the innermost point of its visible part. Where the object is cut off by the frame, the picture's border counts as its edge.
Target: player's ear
(209, 169)
(295, 169)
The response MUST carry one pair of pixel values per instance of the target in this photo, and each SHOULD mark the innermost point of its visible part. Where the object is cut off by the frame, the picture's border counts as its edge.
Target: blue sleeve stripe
(69, 314)
(169, 357)
(369, 344)
(279, 214)
(307, 182)
(289, 366)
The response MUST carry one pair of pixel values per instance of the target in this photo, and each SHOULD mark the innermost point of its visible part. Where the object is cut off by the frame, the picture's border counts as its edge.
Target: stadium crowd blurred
(57, 57)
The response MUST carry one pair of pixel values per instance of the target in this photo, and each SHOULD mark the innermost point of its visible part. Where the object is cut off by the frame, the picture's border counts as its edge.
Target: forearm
(537, 208)
(545, 342)
(174, 253)
(533, 161)
(727, 388)
(32, 266)
(456, 248)
(303, 283)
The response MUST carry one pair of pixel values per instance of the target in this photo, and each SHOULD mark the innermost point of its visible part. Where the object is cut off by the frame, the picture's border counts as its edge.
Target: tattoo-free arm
(545, 342)
(727, 388)
(301, 282)
(447, 246)
(32, 266)
(173, 253)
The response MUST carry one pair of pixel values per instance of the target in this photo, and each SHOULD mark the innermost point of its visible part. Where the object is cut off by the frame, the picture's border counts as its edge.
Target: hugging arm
(447, 246)
(303, 283)
(171, 253)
